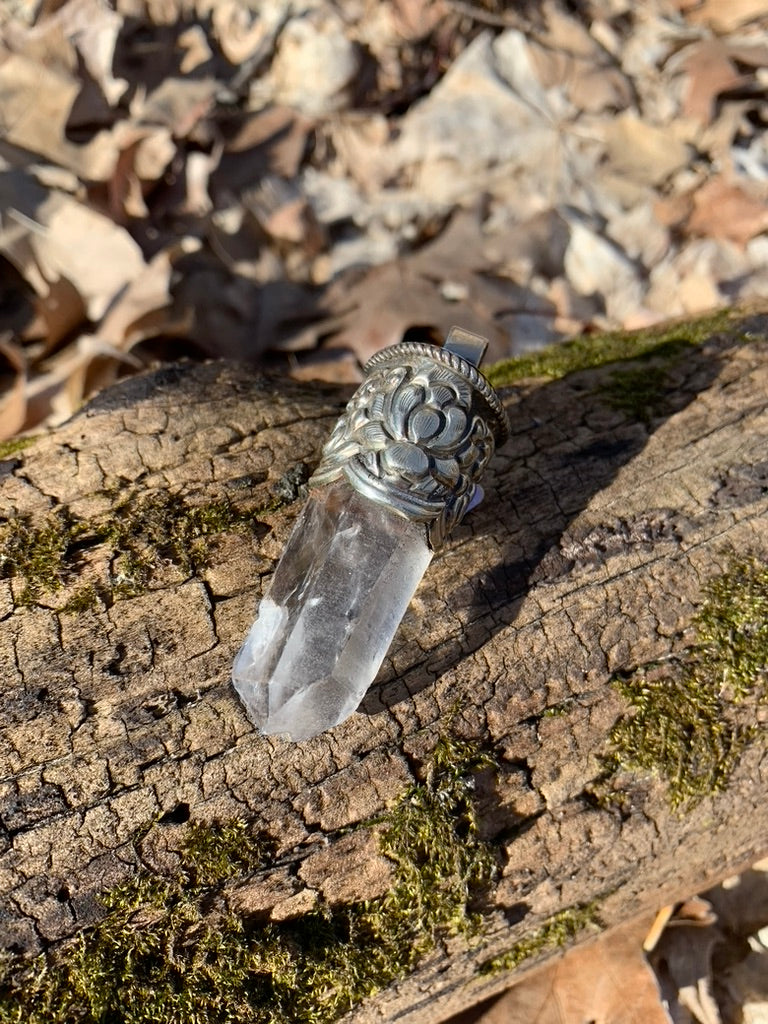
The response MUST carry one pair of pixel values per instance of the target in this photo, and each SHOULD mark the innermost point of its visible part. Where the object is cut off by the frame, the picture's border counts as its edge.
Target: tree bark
(587, 560)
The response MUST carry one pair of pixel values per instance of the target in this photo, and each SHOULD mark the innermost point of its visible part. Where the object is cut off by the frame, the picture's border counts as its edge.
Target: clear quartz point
(339, 592)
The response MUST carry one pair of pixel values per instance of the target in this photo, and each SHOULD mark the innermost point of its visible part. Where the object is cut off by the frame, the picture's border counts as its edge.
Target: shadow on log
(623, 528)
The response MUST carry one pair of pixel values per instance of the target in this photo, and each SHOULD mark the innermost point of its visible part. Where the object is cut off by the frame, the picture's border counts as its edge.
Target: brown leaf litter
(305, 185)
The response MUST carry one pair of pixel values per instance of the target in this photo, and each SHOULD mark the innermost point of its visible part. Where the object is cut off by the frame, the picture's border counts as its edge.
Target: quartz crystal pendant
(397, 474)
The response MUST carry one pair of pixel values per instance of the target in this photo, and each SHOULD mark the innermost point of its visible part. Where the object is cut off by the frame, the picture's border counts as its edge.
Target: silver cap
(419, 431)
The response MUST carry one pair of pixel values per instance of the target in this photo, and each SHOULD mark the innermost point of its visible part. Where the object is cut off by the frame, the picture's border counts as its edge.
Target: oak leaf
(607, 981)
(726, 209)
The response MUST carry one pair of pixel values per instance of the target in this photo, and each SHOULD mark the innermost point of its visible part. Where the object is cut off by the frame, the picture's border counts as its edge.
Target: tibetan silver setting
(418, 433)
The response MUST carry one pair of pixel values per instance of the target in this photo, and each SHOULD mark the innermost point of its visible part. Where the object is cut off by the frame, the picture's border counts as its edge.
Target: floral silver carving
(417, 435)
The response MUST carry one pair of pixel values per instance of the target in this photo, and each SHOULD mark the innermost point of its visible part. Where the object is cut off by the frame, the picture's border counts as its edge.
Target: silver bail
(419, 432)
(466, 345)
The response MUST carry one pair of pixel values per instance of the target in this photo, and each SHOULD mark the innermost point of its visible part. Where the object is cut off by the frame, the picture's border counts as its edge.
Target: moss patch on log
(638, 392)
(139, 536)
(169, 951)
(38, 553)
(595, 350)
(164, 527)
(557, 931)
(15, 445)
(684, 723)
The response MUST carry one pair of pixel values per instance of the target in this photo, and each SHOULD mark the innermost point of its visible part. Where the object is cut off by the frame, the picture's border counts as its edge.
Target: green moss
(82, 600)
(213, 855)
(557, 710)
(432, 837)
(684, 723)
(587, 351)
(37, 553)
(677, 729)
(636, 392)
(142, 535)
(555, 933)
(132, 573)
(733, 629)
(15, 445)
(168, 951)
(163, 528)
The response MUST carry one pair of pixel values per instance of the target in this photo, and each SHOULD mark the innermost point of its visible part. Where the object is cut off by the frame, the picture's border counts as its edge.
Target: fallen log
(568, 729)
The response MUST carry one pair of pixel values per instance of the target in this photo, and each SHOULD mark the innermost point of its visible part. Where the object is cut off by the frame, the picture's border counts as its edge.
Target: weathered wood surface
(586, 559)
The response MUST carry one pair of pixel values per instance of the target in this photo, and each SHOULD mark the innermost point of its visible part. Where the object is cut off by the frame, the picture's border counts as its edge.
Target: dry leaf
(271, 141)
(36, 104)
(672, 211)
(382, 304)
(79, 29)
(683, 963)
(16, 246)
(377, 307)
(446, 121)
(490, 122)
(130, 319)
(741, 982)
(334, 365)
(315, 64)
(13, 402)
(723, 15)
(60, 311)
(684, 285)
(361, 145)
(42, 43)
(568, 57)
(695, 912)
(709, 71)
(246, 318)
(177, 103)
(98, 257)
(644, 152)
(197, 178)
(284, 213)
(746, 986)
(562, 31)
(607, 981)
(51, 238)
(196, 49)
(741, 903)
(415, 19)
(241, 33)
(143, 156)
(93, 27)
(165, 12)
(143, 310)
(724, 209)
(596, 266)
